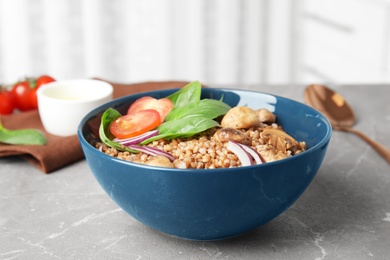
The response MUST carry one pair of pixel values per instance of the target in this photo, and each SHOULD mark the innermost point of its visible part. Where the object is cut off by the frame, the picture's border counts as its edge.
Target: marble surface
(344, 213)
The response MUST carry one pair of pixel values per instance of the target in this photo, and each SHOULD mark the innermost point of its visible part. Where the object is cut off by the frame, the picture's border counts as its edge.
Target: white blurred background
(215, 41)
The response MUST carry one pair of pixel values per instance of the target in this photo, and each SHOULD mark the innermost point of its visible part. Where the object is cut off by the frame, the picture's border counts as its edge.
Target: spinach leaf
(21, 136)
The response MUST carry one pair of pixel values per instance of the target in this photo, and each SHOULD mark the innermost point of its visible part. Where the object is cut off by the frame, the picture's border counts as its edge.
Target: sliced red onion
(242, 154)
(160, 152)
(151, 151)
(137, 139)
(253, 153)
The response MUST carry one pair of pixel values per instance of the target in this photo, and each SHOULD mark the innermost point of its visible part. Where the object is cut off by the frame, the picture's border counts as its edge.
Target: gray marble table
(344, 214)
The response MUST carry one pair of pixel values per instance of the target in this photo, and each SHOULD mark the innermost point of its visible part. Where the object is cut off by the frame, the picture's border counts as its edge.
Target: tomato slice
(163, 106)
(135, 124)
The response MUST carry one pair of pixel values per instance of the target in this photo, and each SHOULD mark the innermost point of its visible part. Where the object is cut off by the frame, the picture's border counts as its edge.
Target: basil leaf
(189, 125)
(21, 136)
(180, 113)
(190, 114)
(187, 94)
(208, 108)
(185, 127)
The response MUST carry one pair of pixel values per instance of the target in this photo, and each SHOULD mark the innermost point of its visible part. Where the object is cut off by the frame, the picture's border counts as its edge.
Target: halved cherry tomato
(135, 124)
(163, 106)
(7, 103)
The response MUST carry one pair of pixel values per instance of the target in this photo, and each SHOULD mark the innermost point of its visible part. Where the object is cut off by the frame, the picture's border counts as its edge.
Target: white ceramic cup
(62, 104)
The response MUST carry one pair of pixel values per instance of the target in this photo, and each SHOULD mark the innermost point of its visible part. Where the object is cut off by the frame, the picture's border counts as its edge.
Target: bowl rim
(325, 140)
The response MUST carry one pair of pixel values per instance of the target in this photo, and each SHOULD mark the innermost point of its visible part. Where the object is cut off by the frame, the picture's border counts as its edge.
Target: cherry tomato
(7, 103)
(21, 94)
(163, 106)
(135, 124)
(41, 80)
(33, 98)
(44, 79)
(25, 92)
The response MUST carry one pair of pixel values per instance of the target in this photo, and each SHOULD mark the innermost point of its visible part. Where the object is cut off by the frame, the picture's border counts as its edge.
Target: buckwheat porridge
(209, 149)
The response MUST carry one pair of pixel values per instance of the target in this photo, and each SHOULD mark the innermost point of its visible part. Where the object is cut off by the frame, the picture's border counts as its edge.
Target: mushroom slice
(266, 116)
(279, 139)
(240, 117)
(229, 134)
(159, 160)
(270, 154)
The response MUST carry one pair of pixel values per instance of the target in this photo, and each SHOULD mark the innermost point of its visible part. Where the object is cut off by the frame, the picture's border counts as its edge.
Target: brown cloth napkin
(62, 151)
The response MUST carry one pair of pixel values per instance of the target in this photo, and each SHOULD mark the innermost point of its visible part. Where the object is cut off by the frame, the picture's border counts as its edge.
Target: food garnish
(21, 136)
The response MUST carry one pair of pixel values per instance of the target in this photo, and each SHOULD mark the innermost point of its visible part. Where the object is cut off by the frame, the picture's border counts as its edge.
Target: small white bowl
(62, 104)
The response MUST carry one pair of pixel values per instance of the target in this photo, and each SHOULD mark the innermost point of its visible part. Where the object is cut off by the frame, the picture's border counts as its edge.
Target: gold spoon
(339, 113)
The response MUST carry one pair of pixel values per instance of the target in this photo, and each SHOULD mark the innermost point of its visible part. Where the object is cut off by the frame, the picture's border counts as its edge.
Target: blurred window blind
(214, 41)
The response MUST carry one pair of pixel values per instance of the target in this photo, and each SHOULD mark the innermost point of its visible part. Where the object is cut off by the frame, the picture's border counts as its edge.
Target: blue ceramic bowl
(212, 204)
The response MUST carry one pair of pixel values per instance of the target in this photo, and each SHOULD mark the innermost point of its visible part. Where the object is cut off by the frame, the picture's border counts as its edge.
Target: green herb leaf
(185, 127)
(21, 136)
(208, 108)
(190, 114)
(186, 96)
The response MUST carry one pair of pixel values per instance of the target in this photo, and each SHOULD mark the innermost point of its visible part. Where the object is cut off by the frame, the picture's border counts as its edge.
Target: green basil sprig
(21, 136)
(190, 114)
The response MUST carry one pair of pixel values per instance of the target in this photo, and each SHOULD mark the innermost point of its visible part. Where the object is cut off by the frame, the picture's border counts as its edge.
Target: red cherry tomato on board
(7, 103)
(163, 106)
(135, 124)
